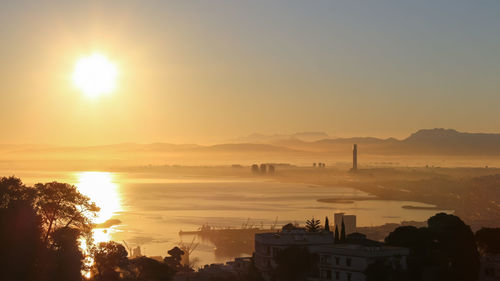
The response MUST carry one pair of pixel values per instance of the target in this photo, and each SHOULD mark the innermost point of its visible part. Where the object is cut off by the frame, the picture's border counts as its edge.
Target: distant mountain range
(427, 141)
(301, 146)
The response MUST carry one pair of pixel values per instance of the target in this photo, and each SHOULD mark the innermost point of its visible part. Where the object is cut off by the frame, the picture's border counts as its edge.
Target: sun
(95, 75)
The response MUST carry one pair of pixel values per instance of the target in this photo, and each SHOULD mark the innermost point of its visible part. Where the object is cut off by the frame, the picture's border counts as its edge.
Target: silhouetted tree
(445, 247)
(13, 189)
(175, 258)
(68, 258)
(63, 205)
(294, 263)
(488, 240)
(20, 241)
(337, 235)
(147, 269)
(460, 259)
(40, 230)
(327, 224)
(313, 225)
(342, 231)
(109, 259)
(423, 250)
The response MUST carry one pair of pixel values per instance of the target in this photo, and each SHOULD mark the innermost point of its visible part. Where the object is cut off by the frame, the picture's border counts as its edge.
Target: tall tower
(355, 157)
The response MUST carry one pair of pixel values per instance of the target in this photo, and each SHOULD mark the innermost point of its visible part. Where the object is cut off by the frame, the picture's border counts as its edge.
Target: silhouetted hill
(436, 143)
(427, 135)
(428, 141)
(448, 141)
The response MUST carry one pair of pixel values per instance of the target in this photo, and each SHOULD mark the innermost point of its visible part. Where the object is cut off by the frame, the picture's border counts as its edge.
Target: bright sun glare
(95, 75)
(101, 188)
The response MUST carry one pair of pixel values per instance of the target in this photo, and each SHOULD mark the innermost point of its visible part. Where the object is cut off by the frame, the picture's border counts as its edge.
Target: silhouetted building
(355, 157)
(349, 222)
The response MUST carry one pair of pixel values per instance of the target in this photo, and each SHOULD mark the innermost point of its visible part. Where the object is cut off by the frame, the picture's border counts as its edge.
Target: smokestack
(355, 157)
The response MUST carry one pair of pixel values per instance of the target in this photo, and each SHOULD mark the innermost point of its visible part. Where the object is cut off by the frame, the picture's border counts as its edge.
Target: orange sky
(215, 70)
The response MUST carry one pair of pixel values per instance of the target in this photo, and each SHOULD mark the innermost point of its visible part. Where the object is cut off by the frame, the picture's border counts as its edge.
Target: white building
(349, 222)
(268, 245)
(348, 261)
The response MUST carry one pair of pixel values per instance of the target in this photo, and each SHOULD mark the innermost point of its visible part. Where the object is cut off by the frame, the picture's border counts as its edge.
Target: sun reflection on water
(104, 192)
(101, 189)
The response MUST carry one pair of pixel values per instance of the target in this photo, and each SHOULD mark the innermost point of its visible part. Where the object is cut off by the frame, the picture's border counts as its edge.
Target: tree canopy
(488, 240)
(40, 229)
(459, 256)
(446, 247)
(40, 232)
(147, 269)
(61, 205)
(20, 241)
(109, 259)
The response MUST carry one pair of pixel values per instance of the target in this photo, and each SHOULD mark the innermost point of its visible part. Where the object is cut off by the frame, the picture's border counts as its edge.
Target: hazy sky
(206, 71)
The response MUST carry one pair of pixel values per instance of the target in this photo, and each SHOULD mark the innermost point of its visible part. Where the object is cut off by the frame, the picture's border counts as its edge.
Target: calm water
(152, 211)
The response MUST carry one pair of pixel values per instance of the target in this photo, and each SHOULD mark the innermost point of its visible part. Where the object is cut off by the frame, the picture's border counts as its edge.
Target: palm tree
(313, 225)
